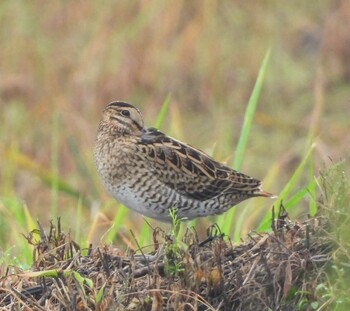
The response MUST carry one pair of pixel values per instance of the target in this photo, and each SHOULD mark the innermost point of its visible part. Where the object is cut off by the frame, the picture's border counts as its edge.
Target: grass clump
(334, 292)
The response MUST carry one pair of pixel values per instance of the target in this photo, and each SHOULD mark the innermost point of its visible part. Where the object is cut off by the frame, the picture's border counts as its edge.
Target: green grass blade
(249, 114)
(225, 222)
(100, 293)
(250, 210)
(296, 197)
(312, 190)
(29, 220)
(265, 223)
(80, 162)
(162, 112)
(23, 161)
(145, 235)
(21, 221)
(307, 190)
(48, 273)
(54, 164)
(117, 223)
(78, 221)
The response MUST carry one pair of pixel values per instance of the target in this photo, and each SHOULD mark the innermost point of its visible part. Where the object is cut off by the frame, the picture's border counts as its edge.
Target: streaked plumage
(151, 172)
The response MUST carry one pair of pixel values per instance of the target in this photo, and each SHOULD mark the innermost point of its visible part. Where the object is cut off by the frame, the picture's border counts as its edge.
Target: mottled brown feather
(190, 166)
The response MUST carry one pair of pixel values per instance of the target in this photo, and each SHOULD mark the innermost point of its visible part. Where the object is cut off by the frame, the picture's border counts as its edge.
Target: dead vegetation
(270, 271)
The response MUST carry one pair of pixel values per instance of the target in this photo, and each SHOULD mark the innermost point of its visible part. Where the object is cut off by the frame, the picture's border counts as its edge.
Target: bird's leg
(213, 232)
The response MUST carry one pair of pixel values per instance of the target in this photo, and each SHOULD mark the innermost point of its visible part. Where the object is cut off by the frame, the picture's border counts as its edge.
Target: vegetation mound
(269, 271)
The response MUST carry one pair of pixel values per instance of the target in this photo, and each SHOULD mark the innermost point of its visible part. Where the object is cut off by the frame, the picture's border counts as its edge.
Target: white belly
(134, 201)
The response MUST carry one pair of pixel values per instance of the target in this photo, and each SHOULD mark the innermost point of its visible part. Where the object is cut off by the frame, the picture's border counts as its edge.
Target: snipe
(151, 172)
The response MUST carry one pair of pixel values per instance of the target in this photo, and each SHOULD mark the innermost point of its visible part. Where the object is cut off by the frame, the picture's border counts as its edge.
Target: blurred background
(61, 62)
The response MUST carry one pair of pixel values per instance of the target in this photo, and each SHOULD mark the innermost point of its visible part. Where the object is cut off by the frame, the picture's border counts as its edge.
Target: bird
(152, 173)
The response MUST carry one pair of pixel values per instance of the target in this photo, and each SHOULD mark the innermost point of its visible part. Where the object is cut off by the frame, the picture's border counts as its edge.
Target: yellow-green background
(62, 61)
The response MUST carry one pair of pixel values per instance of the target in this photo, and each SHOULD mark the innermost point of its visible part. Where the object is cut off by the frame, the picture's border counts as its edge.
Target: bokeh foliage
(61, 62)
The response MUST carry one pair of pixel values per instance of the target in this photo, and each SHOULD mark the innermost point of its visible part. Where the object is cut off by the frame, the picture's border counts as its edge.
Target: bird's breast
(114, 161)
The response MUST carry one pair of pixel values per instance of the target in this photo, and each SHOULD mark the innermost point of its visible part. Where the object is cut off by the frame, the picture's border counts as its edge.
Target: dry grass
(272, 270)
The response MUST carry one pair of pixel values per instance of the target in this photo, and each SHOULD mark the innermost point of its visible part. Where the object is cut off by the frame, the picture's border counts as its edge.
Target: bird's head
(123, 119)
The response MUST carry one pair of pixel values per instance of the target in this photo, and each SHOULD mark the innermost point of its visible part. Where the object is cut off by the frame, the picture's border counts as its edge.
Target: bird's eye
(125, 113)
